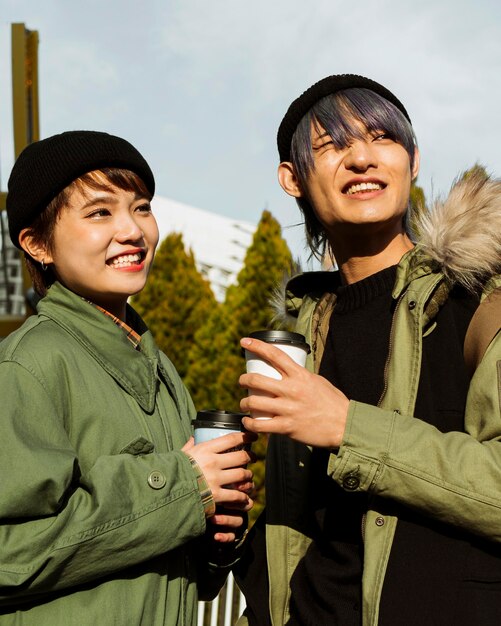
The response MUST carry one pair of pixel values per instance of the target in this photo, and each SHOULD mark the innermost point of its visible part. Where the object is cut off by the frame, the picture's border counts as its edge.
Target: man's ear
(415, 165)
(288, 180)
(37, 251)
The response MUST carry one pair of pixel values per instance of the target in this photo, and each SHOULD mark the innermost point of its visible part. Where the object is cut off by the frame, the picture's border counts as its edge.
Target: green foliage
(476, 169)
(216, 360)
(176, 300)
(417, 206)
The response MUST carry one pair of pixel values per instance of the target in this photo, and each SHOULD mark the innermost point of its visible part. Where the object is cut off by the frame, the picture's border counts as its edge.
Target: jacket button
(350, 482)
(156, 480)
(412, 305)
(379, 521)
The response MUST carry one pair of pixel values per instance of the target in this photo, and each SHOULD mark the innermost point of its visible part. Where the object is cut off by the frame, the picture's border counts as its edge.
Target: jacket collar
(414, 264)
(134, 370)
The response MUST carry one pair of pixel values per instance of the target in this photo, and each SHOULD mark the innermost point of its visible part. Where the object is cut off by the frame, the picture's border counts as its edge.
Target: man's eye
(381, 136)
(144, 208)
(324, 145)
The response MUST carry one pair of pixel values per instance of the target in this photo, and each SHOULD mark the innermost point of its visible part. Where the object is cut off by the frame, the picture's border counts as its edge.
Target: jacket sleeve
(59, 528)
(213, 560)
(453, 477)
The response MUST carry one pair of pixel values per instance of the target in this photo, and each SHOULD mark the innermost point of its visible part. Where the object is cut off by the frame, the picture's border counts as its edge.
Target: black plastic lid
(219, 418)
(280, 336)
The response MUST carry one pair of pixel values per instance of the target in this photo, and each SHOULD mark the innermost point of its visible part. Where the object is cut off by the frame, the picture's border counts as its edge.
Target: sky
(200, 86)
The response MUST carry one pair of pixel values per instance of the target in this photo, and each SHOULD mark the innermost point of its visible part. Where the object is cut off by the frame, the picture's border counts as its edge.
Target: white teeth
(364, 187)
(126, 260)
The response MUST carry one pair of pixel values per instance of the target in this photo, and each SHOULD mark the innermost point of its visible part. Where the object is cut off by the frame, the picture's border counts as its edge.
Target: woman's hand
(222, 461)
(304, 406)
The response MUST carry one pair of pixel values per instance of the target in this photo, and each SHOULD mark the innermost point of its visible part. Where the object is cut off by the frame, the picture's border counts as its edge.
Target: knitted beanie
(325, 87)
(46, 167)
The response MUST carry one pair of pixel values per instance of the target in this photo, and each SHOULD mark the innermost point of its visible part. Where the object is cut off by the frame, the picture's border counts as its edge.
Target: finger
(236, 475)
(275, 424)
(276, 358)
(245, 487)
(230, 521)
(225, 537)
(232, 499)
(260, 405)
(237, 458)
(261, 383)
(226, 442)
(188, 445)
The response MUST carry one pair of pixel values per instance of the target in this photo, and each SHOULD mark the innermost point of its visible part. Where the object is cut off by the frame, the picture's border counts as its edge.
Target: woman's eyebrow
(104, 199)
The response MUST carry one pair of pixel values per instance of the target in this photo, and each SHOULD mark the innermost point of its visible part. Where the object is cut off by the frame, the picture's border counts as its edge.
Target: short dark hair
(43, 226)
(335, 114)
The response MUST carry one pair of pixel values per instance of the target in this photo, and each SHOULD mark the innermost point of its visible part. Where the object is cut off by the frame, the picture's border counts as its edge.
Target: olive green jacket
(386, 452)
(99, 508)
(394, 458)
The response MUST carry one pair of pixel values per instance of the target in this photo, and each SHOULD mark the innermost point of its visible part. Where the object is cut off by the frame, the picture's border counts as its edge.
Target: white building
(218, 243)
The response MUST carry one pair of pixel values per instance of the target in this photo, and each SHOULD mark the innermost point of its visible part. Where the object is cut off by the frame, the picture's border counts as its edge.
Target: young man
(383, 474)
(107, 508)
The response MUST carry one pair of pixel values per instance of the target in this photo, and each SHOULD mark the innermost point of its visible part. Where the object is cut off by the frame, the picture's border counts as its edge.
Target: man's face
(363, 187)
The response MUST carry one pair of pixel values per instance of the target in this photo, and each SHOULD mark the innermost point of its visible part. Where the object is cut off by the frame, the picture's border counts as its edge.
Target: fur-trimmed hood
(461, 234)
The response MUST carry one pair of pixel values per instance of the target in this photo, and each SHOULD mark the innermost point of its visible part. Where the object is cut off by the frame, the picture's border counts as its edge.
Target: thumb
(188, 445)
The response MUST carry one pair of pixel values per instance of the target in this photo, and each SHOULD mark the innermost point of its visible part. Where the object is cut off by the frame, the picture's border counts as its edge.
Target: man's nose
(360, 156)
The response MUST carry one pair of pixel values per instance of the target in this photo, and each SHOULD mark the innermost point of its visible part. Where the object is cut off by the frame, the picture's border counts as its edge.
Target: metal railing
(223, 610)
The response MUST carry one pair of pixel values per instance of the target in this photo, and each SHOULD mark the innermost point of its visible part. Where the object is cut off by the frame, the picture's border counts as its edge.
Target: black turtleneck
(326, 587)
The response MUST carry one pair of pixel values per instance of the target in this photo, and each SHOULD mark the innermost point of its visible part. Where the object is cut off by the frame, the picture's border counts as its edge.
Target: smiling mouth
(127, 260)
(363, 188)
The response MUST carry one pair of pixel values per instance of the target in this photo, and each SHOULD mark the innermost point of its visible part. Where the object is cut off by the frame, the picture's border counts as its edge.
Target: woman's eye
(99, 213)
(144, 208)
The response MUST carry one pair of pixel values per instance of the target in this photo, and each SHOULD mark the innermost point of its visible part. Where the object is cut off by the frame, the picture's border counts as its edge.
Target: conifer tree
(417, 206)
(216, 359)
(176, 300)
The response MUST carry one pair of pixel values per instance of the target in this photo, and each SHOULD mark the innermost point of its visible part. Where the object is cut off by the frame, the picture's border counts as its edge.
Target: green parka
(100, 511)
(396, 459)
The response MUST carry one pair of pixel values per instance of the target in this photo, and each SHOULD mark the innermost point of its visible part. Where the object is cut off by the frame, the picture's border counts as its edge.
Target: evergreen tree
(216, 360)
(176, 300)
(417, 206)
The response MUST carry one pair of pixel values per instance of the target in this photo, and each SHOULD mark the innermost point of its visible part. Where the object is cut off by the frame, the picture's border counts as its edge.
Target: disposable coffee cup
(293, 344)
(214, 423)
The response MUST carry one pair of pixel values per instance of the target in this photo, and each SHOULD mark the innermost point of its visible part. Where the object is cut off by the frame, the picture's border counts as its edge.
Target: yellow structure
(14, 280)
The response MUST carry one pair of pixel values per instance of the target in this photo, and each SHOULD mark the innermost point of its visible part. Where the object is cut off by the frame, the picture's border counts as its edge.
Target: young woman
(105, 499)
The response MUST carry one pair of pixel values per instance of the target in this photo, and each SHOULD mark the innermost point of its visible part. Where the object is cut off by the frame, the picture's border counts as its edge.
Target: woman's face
(103, 246)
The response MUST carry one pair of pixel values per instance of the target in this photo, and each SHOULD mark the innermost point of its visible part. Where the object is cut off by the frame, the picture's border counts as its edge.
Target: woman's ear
(288, 180)
(37, 250)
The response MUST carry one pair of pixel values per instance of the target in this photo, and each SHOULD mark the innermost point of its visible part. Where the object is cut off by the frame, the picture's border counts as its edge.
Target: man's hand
(304, 406)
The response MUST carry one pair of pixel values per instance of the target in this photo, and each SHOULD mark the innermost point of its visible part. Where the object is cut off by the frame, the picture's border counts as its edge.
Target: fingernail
(246, 341)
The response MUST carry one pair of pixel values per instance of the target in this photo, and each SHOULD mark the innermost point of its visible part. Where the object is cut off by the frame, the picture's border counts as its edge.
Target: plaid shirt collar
(130, 333)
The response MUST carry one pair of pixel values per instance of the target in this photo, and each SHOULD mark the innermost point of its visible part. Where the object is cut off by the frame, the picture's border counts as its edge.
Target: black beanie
(325, 87)
(46, 167)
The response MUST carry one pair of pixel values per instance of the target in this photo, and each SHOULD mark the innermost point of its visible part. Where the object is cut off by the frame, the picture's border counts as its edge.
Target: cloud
(200, 87)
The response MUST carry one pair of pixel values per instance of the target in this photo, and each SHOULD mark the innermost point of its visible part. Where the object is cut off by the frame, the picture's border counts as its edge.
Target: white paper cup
(293, 344)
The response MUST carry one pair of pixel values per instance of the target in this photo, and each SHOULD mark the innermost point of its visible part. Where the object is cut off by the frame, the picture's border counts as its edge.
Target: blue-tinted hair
(345, 116)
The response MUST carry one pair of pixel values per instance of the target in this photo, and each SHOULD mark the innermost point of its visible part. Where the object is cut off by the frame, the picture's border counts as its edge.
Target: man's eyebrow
(318, 138)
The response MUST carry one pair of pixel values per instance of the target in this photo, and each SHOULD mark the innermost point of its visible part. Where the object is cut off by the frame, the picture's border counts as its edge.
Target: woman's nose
(128, 229)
